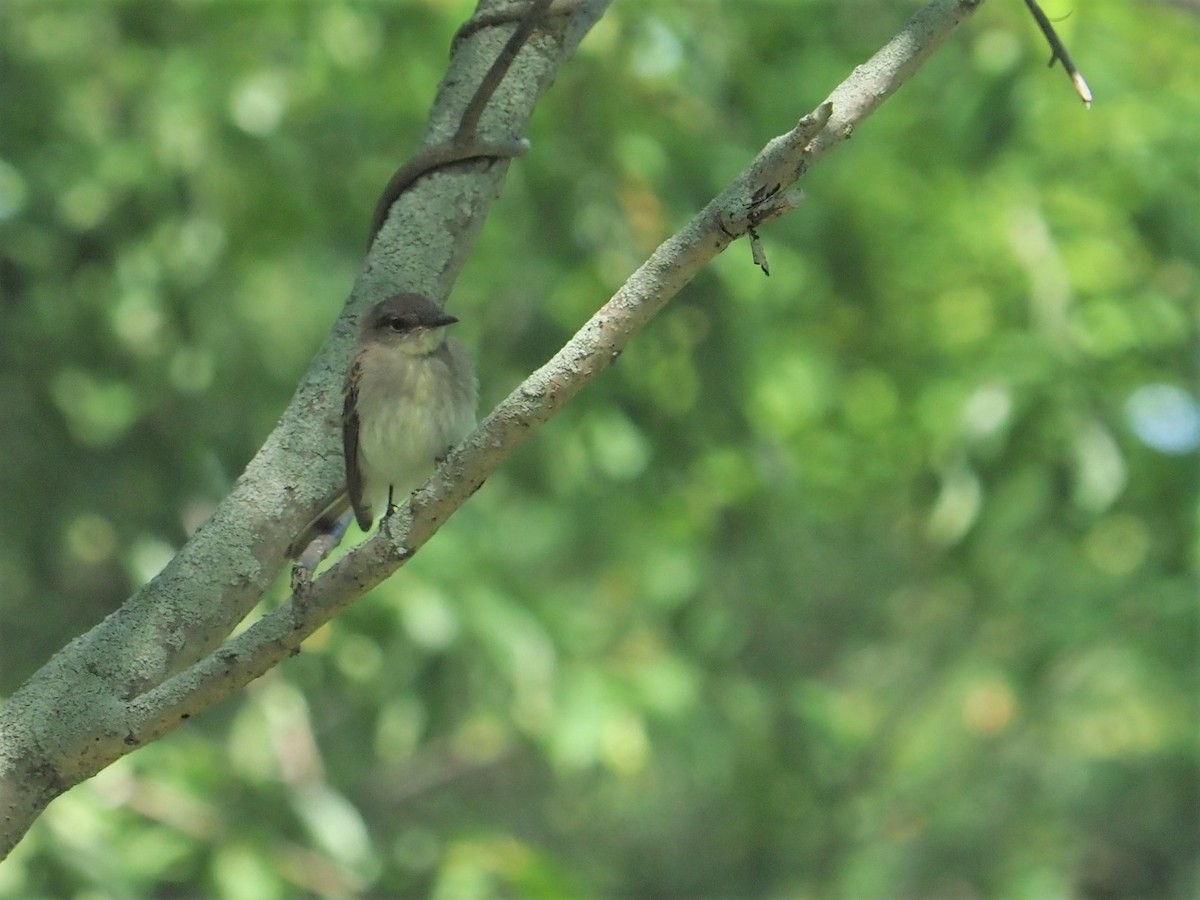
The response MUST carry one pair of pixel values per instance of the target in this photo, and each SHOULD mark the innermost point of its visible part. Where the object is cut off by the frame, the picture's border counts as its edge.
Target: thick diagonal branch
(164, 656)
(758, 194)
(71, 719)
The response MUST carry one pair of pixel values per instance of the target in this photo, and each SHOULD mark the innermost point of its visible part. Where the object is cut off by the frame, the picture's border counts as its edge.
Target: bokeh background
(874, 578)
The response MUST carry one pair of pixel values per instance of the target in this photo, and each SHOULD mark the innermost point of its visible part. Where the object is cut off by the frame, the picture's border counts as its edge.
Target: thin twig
(1058, 52)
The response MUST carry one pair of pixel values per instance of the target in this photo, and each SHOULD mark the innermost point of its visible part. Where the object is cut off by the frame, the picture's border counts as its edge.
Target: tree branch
(160, 658)
(1058, 52)
(737, 209)
(70, 719)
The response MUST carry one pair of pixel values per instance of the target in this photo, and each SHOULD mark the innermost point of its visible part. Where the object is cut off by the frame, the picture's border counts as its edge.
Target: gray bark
(166, 654)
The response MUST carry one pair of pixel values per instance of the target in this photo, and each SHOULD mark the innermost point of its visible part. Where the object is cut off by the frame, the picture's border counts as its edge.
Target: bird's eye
(397, 324)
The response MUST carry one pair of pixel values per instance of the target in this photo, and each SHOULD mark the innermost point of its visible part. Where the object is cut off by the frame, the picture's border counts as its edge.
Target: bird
(409, 395)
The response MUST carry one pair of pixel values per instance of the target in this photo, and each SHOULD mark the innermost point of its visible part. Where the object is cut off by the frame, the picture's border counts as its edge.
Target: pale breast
(412, 409)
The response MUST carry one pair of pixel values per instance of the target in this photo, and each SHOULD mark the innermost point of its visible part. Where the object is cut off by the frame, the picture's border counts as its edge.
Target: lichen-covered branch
(758, 194)
(75, 715)
(165, 655)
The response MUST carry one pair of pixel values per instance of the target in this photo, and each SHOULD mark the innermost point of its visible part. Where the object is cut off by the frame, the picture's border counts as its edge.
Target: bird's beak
(443, 320)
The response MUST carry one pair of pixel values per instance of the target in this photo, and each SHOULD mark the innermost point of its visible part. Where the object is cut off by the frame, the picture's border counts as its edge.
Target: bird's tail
(328, 527)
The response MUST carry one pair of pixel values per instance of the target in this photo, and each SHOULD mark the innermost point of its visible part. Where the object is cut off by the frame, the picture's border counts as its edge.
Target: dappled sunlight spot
(284, 710)
(533, 662)
(625, 748)
(180, 130)
(1165, 417)
(84, 820)
(607, 37)
(1049, 282)
(618, 448)
(470, 868)
(1110, 706)
(257, 104)
(996, 51)
(989, 706)
(91, 538)
(358, 657)
(176, 806)
(332, 822)
(242, 870)
(533, 707)
(1132, 728)
(957, 506)
(137, 319)
(194, 249)
(248, 745)
(844, 713)
(987, 411)
(583, 707)
(428, 619)
(1117, 544)
(14, 190)
(656, 50)
(1099, 468)
(85, 204)
(666, 683)
(116, 784)
(98, 412)
(670, 575)
(520, 646)
(400, 727)
(962, 317)
(1109, 259)
(352, 36)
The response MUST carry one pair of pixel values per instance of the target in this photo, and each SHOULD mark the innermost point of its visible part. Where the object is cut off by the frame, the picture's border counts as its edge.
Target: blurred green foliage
(875, 578)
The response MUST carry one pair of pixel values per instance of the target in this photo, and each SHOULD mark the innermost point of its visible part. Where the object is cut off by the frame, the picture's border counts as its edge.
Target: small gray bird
(409, 396)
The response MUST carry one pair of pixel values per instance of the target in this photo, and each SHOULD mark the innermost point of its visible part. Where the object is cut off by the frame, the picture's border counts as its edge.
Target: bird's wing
(350, 426)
